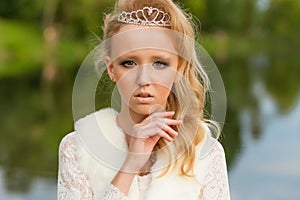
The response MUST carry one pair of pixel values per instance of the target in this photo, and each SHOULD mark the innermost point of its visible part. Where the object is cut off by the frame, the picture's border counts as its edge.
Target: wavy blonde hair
(187, 98)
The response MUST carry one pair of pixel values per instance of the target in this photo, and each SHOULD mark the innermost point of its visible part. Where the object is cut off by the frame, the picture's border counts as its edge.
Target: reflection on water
(260, 134)
(40, 188)
(32, 123)
(269, 166)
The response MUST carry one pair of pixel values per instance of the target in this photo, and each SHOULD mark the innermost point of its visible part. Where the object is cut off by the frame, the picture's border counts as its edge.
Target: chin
(141, 109)
(147, 109)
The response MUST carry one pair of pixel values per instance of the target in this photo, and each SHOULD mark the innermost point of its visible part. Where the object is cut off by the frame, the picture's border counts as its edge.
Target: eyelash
(130, 63)
(164, 64)
(125, 63)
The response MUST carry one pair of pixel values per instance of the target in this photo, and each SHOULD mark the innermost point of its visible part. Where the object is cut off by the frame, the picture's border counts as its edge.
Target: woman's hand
(145, 135)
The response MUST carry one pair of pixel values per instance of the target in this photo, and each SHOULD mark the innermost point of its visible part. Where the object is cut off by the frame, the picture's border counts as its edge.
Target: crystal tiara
(142, 17)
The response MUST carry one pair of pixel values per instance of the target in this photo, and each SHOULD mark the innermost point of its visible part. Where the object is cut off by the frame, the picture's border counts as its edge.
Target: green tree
(283, 17)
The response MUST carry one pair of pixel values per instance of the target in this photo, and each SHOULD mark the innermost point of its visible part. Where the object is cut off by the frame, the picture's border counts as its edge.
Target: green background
(255, 44)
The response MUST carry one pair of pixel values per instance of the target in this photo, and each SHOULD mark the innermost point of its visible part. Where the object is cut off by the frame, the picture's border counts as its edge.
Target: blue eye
(128, 63)
(160, 64)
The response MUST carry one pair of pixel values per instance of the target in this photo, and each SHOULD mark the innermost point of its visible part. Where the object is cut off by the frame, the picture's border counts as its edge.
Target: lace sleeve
(113, 193)
(72, 183)
(216, 185)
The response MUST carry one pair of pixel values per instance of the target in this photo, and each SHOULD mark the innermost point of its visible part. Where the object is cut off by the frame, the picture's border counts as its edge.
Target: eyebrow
(161, 57)
(155, 57)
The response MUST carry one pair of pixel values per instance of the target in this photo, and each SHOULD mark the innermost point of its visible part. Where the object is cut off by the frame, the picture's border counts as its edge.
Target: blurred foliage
(282, 18)
(43, 43)
(77, 24)
(21, 48)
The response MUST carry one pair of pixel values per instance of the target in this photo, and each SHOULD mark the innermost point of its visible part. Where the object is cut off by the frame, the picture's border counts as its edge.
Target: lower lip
(143, 99)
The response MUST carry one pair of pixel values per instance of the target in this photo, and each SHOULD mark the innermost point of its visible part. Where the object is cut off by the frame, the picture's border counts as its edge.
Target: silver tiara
(141, 17)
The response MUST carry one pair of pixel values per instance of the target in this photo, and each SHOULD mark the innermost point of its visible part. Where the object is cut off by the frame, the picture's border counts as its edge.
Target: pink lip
(143, 97)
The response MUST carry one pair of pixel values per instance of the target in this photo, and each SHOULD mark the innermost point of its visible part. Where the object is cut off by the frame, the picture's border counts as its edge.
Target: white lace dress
(81, 176)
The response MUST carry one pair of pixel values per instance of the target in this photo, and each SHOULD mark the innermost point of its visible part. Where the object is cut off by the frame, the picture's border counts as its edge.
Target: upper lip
(143, 94)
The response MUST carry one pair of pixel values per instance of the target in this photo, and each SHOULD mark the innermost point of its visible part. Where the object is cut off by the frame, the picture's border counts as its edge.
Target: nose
(143, 76)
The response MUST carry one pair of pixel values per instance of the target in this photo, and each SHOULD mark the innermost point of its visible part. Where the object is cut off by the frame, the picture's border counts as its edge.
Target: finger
(166, 132)
(157, 116)
(162, 123)
(165, 135)
(170, 131)
(161, 114)
(169, 113)
(155, 138)
(148, 129)
(174, 122)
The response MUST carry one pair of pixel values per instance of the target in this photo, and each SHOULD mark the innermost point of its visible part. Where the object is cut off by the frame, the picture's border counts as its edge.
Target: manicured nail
(170, 112)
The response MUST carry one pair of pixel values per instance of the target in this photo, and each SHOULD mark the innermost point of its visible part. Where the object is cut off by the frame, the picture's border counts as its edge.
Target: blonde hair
(188, 96)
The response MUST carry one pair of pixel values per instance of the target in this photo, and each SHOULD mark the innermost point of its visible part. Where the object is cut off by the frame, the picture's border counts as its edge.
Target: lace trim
(216, 180)
(113, 193)
(72, 183)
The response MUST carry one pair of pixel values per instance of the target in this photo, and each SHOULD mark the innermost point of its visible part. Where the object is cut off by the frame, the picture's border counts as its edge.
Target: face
(144, 75)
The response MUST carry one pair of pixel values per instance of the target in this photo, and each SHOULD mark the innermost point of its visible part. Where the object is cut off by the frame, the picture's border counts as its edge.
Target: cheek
(162, 92)
(165, 78)
(125, 84)
(164, 82)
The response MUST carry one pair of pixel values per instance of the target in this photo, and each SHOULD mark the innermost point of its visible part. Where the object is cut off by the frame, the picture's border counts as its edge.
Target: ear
(110, 68)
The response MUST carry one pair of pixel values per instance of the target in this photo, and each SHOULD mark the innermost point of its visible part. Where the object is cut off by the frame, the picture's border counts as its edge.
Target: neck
(126, 119)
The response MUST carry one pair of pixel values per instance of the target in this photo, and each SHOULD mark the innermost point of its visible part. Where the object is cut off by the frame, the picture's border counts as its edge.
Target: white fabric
(82, 176)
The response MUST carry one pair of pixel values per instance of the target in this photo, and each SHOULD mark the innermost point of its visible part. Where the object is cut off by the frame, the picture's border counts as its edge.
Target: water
(269, 168)
(41, 188)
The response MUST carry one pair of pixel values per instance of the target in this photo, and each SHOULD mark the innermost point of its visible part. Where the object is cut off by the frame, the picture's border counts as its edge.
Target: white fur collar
(102, 150)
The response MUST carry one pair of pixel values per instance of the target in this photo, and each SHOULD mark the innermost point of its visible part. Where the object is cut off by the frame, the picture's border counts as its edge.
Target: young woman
(158, 144)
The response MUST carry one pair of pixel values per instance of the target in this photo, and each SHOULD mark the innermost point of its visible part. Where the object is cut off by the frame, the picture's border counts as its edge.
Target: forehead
(149, 54)
(132, 38)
